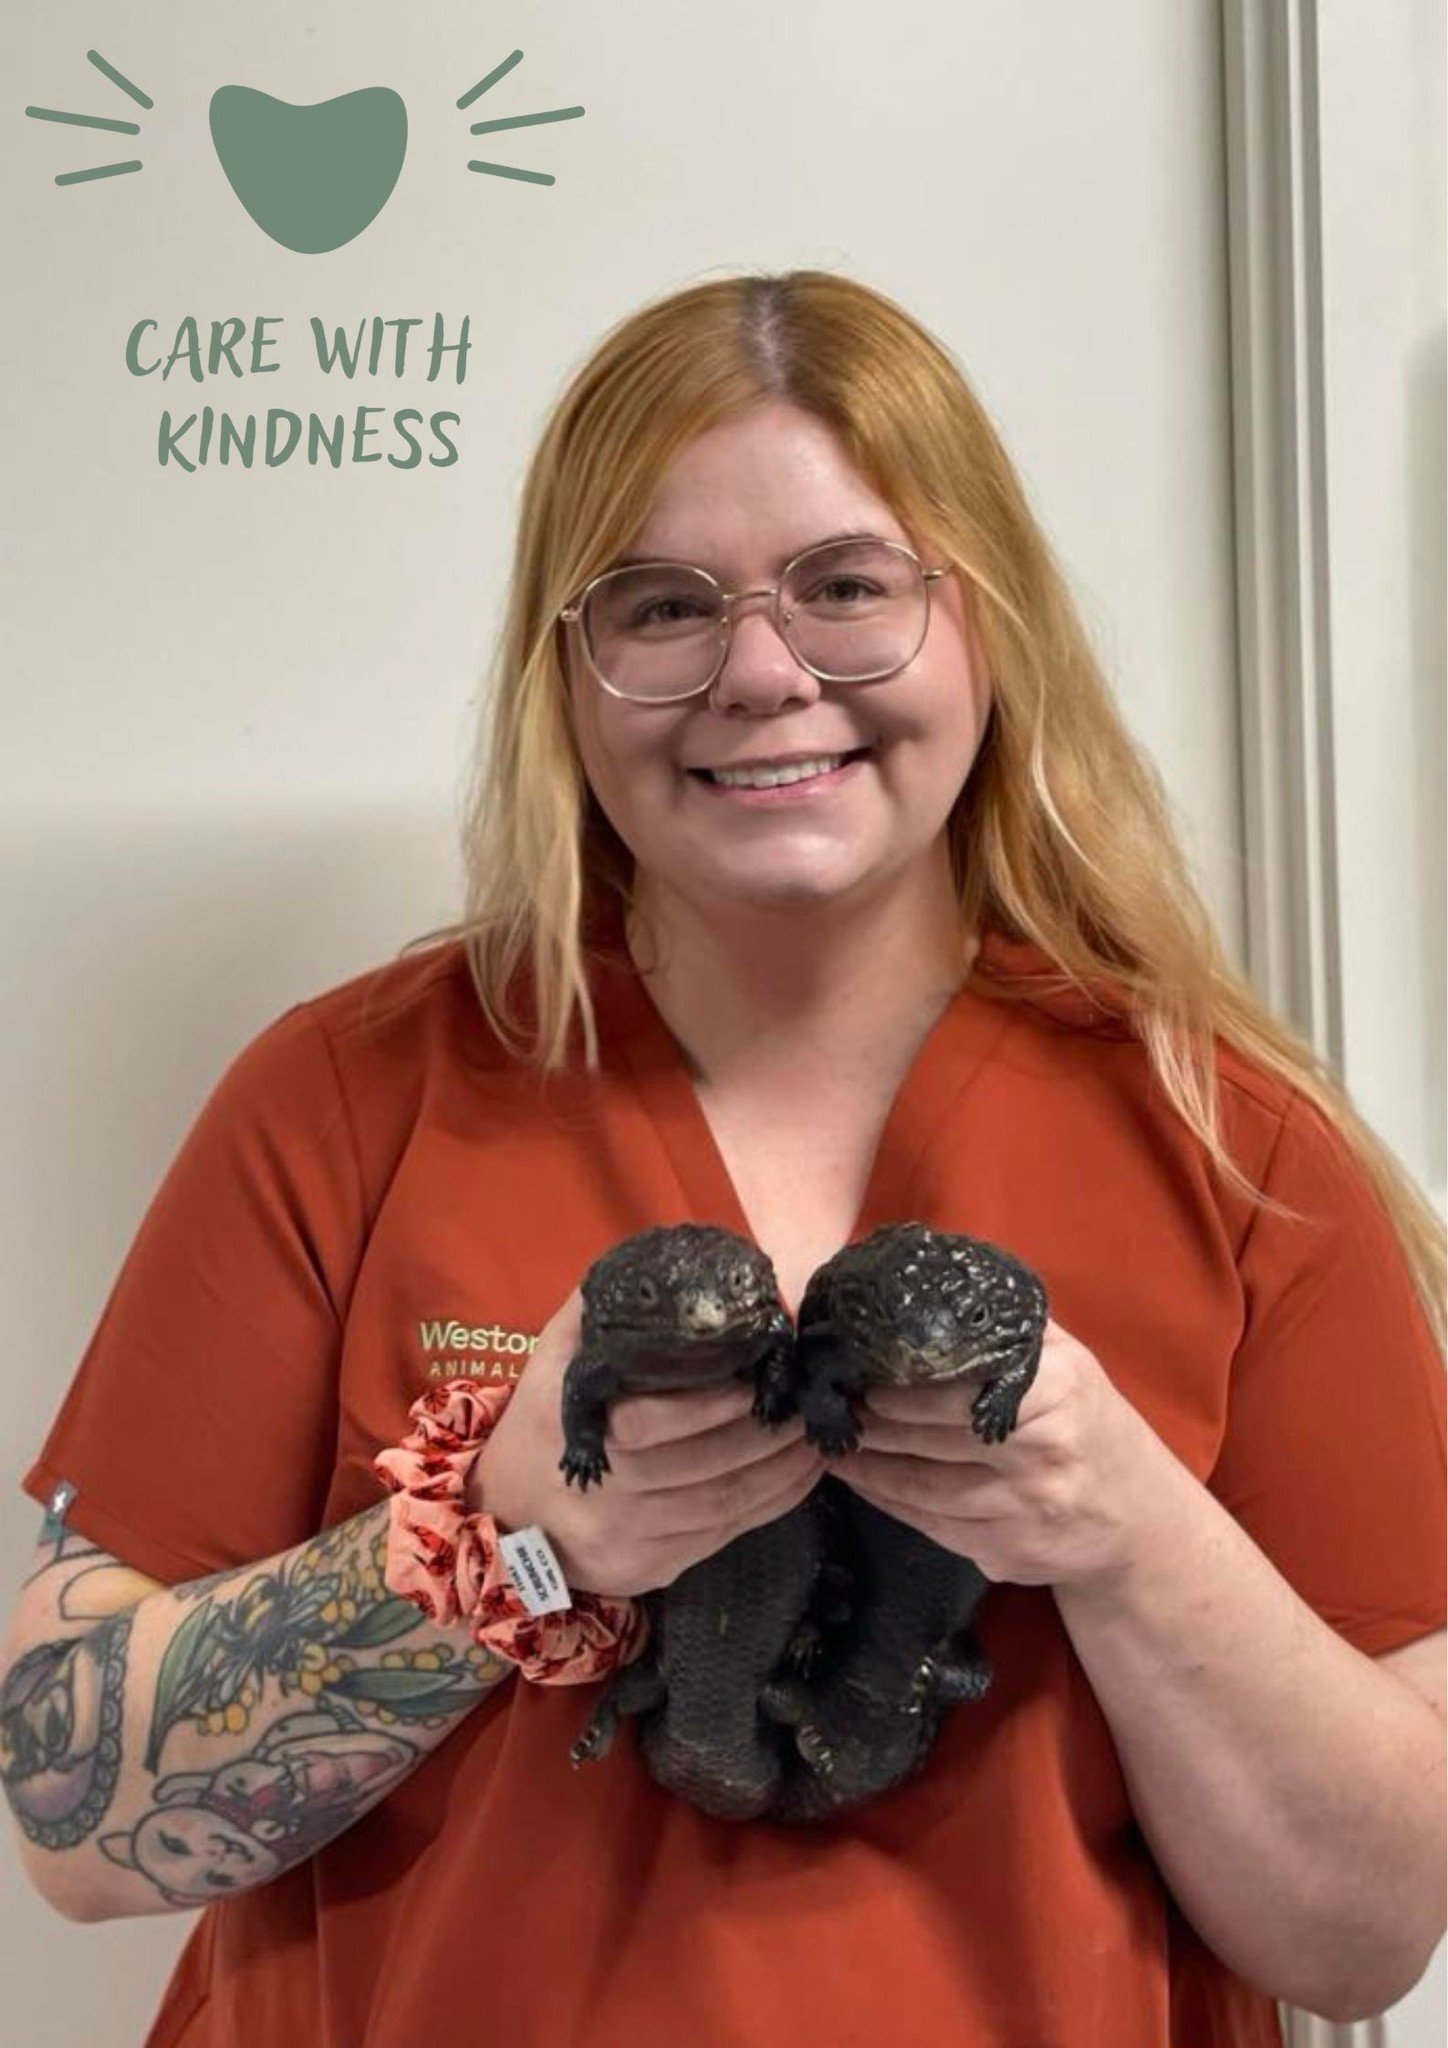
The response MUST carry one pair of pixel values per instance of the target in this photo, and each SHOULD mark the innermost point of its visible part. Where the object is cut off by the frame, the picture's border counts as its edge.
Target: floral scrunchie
(448, 1564)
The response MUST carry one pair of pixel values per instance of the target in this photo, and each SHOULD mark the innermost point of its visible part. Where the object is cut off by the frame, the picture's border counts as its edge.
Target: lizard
(675, 1307)
(906, 1305)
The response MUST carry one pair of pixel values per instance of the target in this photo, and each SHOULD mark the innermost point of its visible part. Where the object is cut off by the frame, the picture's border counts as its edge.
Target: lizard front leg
(589, 1385)
(830, 1383)
(775, 1393)
(993, 1411)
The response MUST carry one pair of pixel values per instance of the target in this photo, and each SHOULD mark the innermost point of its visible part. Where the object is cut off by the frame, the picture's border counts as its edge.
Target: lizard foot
(596, 1739)
(583, 1463)
(815, 1750)
(772, 1404)
(803, 1649)
(834, 1439)
(785, 1699)
(993, 1411)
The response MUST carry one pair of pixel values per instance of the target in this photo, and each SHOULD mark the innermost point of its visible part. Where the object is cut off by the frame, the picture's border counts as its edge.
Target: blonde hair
(1066, 839)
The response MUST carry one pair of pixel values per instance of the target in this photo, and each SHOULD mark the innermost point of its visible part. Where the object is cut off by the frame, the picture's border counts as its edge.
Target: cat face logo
(311, 177)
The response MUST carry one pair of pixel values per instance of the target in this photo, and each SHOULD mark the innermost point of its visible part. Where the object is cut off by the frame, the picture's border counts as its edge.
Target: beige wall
(236, 705)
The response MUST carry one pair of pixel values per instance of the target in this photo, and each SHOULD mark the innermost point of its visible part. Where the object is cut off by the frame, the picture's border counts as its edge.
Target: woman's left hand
(1061, 1501)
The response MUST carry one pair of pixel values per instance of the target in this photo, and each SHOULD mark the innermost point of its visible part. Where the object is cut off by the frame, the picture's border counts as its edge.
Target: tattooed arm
(161, 1748)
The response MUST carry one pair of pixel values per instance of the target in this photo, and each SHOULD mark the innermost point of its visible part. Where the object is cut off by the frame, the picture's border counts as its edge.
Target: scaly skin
(670, 1309)
(681, 1306)
(905, 1306)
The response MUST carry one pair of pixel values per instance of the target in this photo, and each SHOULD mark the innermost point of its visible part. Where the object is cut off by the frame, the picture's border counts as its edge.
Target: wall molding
(1279, 481)
(1274, 265)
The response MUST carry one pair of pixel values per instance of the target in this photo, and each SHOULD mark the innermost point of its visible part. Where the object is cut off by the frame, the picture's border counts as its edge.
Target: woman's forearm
(215, 1733)
(1292, 1793)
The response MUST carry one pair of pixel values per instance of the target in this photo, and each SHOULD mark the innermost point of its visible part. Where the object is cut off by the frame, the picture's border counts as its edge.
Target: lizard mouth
(921, 1362)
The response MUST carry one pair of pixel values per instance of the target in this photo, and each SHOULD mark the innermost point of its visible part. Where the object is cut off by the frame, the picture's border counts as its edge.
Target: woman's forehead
(775, 478)
(654, 549)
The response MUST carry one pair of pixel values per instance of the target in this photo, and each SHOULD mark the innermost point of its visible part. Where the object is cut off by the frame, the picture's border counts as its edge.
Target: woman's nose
(760, 672)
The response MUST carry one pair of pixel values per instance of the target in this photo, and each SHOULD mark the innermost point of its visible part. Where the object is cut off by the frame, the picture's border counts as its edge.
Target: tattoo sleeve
(170, 1749)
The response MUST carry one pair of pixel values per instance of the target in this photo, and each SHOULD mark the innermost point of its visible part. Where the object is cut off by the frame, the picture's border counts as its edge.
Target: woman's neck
(758, 996)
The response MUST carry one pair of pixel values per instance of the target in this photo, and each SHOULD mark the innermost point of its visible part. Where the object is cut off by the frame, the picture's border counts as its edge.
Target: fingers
(709, 1454)
(639, 1421)
(735, 1500)
(914, 1487)
(951, 1443)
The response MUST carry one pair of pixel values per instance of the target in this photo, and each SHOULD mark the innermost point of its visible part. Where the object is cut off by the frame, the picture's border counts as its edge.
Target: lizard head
(925, 1305)
(683, 1283)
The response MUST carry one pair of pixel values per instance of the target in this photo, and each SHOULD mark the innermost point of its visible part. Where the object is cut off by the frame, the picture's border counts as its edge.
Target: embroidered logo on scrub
(483, 1351)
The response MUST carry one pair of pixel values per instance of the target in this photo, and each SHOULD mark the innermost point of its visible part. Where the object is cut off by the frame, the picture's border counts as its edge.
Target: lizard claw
(834, 1440)
(595, 1742)
(583, 1465)
(815, 1750)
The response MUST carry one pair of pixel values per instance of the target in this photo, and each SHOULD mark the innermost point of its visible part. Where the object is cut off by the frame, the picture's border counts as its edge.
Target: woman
(926, 950)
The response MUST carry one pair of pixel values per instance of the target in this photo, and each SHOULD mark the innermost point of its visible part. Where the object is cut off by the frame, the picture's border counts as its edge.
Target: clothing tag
(534, 1570)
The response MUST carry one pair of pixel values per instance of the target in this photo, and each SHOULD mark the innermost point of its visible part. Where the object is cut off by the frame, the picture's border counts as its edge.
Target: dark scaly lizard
(907, 1305)
(670, 1309)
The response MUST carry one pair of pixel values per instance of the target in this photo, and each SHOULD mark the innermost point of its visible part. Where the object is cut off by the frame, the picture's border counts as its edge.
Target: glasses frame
(573, 614)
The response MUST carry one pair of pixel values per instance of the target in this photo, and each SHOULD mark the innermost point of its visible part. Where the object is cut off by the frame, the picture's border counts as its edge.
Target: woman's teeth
(769, 778)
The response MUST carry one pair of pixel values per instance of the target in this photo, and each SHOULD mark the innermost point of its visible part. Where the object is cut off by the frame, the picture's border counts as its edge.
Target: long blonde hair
(1066, 838)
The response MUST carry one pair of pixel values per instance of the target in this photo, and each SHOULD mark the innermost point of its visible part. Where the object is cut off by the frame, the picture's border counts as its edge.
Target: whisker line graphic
(506, 171)
(525, 120)
(101, 171)
(498, 71)
(135, 92)
(84, 120)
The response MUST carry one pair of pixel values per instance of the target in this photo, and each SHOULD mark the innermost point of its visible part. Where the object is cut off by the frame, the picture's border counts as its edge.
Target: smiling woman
(814, 883)
(907, 703)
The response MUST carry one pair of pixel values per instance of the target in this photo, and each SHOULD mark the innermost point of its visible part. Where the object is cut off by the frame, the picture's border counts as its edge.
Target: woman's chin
(780, 890)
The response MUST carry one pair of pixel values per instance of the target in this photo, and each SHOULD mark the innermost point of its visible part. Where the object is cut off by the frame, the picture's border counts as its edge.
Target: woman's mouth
(788, 783)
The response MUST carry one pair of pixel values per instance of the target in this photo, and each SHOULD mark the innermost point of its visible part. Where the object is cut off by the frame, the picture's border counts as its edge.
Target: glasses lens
(852, 611)
(855, 609)
(654, 631)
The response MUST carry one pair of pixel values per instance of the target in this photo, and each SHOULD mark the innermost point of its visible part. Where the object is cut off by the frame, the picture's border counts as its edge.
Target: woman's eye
(647, 614)
(838, 583)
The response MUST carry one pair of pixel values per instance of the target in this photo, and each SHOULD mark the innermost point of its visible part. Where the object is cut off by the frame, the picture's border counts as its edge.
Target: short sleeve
(1333, 1452)
(199, 1429)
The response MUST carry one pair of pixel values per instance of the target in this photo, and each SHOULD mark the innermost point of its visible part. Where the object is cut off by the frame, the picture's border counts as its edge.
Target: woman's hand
(1058, 1503)
(689, 1472)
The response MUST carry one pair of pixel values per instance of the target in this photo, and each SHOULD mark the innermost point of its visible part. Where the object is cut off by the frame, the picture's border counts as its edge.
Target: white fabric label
(534, 1570)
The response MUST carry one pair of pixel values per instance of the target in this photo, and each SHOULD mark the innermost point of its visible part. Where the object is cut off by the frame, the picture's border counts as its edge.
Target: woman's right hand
(688, 1472)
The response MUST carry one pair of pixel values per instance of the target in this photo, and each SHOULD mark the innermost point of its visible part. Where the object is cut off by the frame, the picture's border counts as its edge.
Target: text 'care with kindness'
(237, 348)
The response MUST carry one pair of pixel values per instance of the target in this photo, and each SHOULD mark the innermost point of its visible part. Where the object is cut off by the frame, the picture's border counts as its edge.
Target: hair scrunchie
(449, 1565)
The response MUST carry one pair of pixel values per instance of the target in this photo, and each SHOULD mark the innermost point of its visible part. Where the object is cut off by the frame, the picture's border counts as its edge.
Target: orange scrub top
(375, 1196)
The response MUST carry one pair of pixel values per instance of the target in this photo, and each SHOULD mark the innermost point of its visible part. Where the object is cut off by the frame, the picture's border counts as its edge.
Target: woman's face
(739, 501)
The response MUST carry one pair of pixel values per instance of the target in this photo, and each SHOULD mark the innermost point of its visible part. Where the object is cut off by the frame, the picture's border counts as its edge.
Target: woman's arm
(204, 1738)
(1291, 1790)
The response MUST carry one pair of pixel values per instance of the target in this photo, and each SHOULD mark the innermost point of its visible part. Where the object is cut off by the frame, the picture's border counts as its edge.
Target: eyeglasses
(850, 611)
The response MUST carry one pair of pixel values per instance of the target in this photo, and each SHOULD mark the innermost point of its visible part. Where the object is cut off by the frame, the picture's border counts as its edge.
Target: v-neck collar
(635, 1039)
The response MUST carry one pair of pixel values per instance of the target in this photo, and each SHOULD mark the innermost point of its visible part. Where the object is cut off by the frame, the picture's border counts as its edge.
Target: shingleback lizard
(905, 1306)
(675, 1308)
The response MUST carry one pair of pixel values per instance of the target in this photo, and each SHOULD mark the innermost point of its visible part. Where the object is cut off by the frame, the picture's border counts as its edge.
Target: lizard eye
(736, 1279)
(648, 1291)
(980, 1318)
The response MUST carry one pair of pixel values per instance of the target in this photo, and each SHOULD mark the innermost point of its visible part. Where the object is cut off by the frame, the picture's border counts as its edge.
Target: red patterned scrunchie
(448, 1563)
